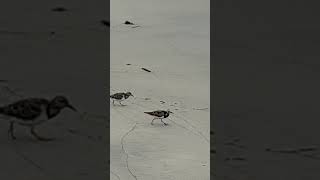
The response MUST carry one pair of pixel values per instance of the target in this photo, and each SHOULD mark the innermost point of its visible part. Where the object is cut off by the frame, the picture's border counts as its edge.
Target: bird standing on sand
(159, 114)
(32, 112)
(120, 97)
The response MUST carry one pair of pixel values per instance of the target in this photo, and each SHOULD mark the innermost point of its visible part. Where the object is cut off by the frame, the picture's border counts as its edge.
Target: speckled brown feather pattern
(26, 109)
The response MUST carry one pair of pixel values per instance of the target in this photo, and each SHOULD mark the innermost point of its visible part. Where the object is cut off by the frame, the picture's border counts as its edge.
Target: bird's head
(62, 102)
(128, 94)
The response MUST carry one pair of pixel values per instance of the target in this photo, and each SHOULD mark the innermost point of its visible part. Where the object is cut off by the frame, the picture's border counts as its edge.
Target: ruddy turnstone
(120, 97)
(159, 114)
(32, 112)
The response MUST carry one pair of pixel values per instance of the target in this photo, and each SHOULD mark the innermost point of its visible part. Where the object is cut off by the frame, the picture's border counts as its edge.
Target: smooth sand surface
(266, 91)
(72, 62)
(172, 41)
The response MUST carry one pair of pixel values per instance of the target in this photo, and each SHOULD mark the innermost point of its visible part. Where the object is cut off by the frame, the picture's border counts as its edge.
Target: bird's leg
(121, 103)
(152, 121)
(39, 137)
(113, 102)
(11, 129)
(164, 122)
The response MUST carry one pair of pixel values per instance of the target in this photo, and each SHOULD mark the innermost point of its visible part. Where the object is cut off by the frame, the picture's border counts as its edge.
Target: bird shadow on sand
(62, 136)
(159, 125)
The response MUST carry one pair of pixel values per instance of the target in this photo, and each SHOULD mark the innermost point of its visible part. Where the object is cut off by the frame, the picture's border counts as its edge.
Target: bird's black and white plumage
(159, 114)
(32, 112)
(120, 97)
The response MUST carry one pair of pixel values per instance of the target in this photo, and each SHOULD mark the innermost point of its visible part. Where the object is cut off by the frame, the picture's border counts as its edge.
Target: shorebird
(159, 114)
(32, 112)
(120, 97)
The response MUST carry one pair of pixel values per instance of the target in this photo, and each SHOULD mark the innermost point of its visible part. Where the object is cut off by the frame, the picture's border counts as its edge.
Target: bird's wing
(26, 109)
(158, 113)
(116, 96)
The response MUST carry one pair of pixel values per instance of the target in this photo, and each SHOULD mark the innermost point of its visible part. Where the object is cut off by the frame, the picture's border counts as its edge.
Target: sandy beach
(266, 95)
(173, 42)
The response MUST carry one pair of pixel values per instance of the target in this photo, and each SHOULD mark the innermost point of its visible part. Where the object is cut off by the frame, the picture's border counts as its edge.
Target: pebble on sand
(128, 23)
(105, 23)
(59, 9)
(146, 69)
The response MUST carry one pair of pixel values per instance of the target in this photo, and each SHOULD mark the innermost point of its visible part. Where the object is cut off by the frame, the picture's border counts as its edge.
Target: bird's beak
(71, 107)
(132, 95)
(171, 112)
